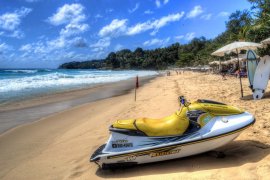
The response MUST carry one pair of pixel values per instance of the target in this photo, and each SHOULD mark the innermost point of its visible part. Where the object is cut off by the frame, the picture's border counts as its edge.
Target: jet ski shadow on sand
(198, 127)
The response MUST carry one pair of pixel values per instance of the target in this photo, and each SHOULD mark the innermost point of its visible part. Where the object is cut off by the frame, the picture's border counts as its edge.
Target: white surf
(261, 77)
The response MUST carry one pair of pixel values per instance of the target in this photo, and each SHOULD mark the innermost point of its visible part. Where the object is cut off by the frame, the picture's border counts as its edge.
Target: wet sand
(59, 146)
(27, 111)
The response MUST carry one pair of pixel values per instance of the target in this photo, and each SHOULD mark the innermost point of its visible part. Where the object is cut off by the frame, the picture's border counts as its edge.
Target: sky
(47, 33)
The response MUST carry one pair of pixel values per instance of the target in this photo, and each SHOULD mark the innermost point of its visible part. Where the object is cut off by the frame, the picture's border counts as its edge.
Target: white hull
(124, 149)
(177, 152)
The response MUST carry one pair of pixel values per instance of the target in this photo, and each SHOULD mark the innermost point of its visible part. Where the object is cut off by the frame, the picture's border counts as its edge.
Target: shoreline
(27, 111)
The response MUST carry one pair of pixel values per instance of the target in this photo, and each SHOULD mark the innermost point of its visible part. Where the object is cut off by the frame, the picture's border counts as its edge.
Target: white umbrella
(236, 47)
(266, 41)
(214, 63)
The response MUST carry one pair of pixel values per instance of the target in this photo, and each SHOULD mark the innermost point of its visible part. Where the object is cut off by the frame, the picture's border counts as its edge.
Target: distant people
(168, 73)
(223, 74)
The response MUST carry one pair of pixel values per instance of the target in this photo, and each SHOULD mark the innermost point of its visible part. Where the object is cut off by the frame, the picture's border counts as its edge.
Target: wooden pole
(136, 86)
(241, 87)
(135, 94)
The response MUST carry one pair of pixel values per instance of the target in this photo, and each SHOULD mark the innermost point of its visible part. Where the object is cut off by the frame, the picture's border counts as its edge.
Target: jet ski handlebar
(183, 101)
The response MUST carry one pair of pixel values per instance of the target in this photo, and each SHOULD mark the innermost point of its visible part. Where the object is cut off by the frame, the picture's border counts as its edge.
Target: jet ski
(196, 127)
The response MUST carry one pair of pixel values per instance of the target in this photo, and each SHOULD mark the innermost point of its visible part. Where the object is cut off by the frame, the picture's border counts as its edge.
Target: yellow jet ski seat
(176, 124)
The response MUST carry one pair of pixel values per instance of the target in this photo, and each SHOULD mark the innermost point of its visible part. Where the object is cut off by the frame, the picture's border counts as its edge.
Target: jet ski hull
(124, 150)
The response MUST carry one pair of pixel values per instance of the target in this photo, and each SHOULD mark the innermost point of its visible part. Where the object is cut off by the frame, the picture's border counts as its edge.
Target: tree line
(247, 25)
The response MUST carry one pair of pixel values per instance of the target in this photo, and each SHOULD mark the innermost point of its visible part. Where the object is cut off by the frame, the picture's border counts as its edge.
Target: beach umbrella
(214, 63)
(266, 41)
(236, 47)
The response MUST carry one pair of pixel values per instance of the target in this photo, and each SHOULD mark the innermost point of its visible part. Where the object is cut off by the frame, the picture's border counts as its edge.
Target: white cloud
(206, 16)
(69, 13)
(72, 16)
(224, 14)
(155, 25)
(16, 34)
(101, 44)
(79, 42)
(4, 47)
(10, 21)
(179, 37)
(156, 42)
(32, 1)
(73, 29)
(57, 43)
(158, 4)
(26, 47)
(165, 1)
(109, 10)
(118, 47)
(135, 8)
(190, 36)
(115, 28)
(98, 16)
(148, 12)
(196, 11)
(140, 27)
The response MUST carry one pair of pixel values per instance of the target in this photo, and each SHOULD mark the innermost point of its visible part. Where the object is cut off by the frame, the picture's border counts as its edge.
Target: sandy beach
(59, 146)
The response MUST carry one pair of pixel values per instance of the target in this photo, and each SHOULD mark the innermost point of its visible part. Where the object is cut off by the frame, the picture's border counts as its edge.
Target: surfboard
(261, 77)
(252, 64)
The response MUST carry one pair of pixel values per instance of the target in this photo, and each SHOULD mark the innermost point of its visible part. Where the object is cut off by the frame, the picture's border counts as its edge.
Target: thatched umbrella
(266, 41)
(236, 47)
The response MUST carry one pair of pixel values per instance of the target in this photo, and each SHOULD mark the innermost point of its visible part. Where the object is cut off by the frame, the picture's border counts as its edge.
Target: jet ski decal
(164, 153)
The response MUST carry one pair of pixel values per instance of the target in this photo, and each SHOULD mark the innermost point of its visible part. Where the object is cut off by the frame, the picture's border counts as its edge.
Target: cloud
(179, 37)
(98, 16)
(135, 8)
(165, 1)
(155, 24)
(115, 28)
(11, 21)
(118, 47)
(156, 42)
(189, 36)
(79, 42)
(109, 10)
(119, 27)
(4, 47)
(101, 44)
(224, 14)
(69, 13)
(26, 47)
(158, 4)
(196, 11)
(57, 43)
(73, 29)
(206, 16)
(32, 1)
(72, 16)
(148, 12)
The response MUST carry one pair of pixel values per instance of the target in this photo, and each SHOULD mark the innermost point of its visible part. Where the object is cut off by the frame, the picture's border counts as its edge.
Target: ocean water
(18, 84)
